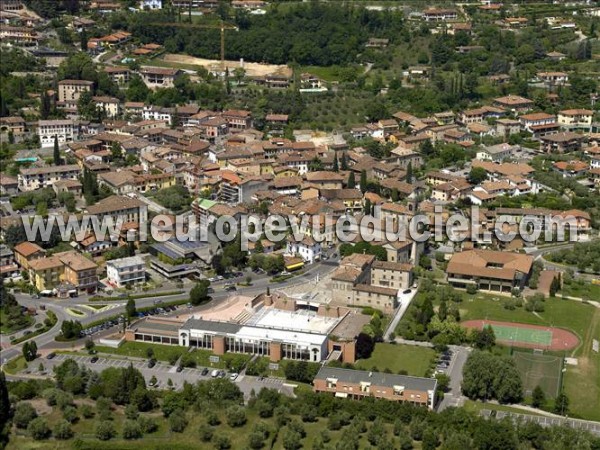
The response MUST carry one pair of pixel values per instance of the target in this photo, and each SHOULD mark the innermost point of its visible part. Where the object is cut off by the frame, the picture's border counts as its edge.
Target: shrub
(24, 413)
(177, 421)
(38, 429)
(132, 430)
(471, 289)
(62, 430)
(222, 442)
(131, 412)
(147, 424)
(87, 411)
(206, 432)
(70, 414)
(236, 416)
(105, 430)
(212, 419)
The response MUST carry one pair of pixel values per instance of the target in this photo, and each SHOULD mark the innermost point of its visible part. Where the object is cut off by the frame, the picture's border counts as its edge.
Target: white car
(233, 376)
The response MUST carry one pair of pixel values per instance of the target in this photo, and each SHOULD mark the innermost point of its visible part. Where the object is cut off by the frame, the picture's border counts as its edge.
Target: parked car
(204, 372)
(407, 291)
(230, 287)
(179, 368)
(233, 376)
(151, 363)
(94, 359)
(214, 373)
(51, 355)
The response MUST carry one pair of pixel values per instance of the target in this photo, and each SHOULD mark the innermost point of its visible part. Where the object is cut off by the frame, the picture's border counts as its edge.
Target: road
(404, 301)
(454, 395)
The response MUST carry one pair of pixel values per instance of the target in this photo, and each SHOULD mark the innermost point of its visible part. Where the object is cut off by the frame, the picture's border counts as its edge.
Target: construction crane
(221, 26)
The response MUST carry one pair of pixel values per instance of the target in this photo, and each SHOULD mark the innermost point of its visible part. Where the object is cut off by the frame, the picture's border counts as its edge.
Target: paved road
(454, 395)
(404, 302)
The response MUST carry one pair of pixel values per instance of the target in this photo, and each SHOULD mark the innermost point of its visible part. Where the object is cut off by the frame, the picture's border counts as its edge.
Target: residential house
(126, 271)
(40, 177)
(489, 270)
(26, 252)
(64, 130)
(308, 249)
(159, 77)
(575, 119)
(561, 142)
(513, 103)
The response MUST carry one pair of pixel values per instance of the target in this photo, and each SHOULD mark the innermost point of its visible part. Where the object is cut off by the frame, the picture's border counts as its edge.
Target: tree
(90, 345)
(177, 421)
(56, 154)
(363, 181)
(131, 430)
(105, 430)
(561, 404)
(130, 308)
(344, 161)
(477, 175)
(84, 40)
(24, 413)
(45, 105)
(38, 429)
(4, 401)
(484, 339)
(538, 398)
(30, 350)
(409, 172)
(62, 430)
(364, 346)
(236, 416)
(487, 376)
(351, 181)
(222, 442)
(336, 167)
(199, 293)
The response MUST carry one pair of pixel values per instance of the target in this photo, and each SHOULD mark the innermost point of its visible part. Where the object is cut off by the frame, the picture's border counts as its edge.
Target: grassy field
(558, 313)
(163, 437)
(168, 353)
(584, 291)
(6, 327)
(582, 382)
(415, 360)
(476, 406)
(16, 365)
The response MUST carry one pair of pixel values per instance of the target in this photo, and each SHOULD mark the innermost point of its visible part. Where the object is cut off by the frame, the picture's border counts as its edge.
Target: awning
(341, 394)
(295, 266)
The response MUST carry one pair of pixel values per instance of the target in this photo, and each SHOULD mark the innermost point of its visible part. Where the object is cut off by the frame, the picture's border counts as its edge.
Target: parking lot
(162, 372)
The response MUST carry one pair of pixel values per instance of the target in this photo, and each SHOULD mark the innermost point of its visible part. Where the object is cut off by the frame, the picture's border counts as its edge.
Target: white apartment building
(308, 249)
(110, 105)
(41, 177)
(126, 271)
(65, 130)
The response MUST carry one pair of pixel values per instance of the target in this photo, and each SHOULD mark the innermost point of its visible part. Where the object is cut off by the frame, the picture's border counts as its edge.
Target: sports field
(539, 370)
(528, 336)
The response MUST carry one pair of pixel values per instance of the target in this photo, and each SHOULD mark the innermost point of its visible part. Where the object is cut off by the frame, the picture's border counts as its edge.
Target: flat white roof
(302, 320)
(295, 337)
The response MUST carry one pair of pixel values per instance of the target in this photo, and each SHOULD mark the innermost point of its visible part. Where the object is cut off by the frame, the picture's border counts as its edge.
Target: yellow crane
(221, 26)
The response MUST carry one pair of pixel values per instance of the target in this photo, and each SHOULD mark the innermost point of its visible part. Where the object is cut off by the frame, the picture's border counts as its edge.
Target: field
(539, 370)
(414, 360)
(527, 335)
(164, 438)
(252, 69)
(168, 353)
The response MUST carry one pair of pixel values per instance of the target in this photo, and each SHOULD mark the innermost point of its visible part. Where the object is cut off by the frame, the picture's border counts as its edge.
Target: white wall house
(308, 249)
(126, 271)
(64, 130)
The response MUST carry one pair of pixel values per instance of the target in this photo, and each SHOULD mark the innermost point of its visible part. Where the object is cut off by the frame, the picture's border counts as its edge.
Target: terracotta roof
(489, 264)
(114, 203)
(28, 248)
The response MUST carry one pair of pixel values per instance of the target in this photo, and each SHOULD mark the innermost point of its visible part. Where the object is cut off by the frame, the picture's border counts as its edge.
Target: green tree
(131, 430)
(62, 430)
(30, 350)
(105, 430)
(351, 181)
(336, 167)
(236, 416)
(130, 308)
(4, 401)
(409, 173)
(538, 398)
(24, 414)
(199, 293)
(484, 339)
(477, 175)
(363, 181)
(56, 153)
(38, 429)
(177, 421)
(561, 404)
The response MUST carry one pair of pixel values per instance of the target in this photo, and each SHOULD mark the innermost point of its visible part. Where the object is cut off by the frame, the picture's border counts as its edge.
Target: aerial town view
(285, 224)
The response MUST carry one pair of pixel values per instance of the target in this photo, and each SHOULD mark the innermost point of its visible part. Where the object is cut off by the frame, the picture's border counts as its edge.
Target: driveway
(454, 395)
(403, 304)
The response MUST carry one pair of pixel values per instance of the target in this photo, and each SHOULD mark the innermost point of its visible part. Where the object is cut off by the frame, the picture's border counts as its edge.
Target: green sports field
(539, 370)
(522, 335)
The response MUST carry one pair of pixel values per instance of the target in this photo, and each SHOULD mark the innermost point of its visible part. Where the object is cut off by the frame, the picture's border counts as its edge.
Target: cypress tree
(57, 160)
